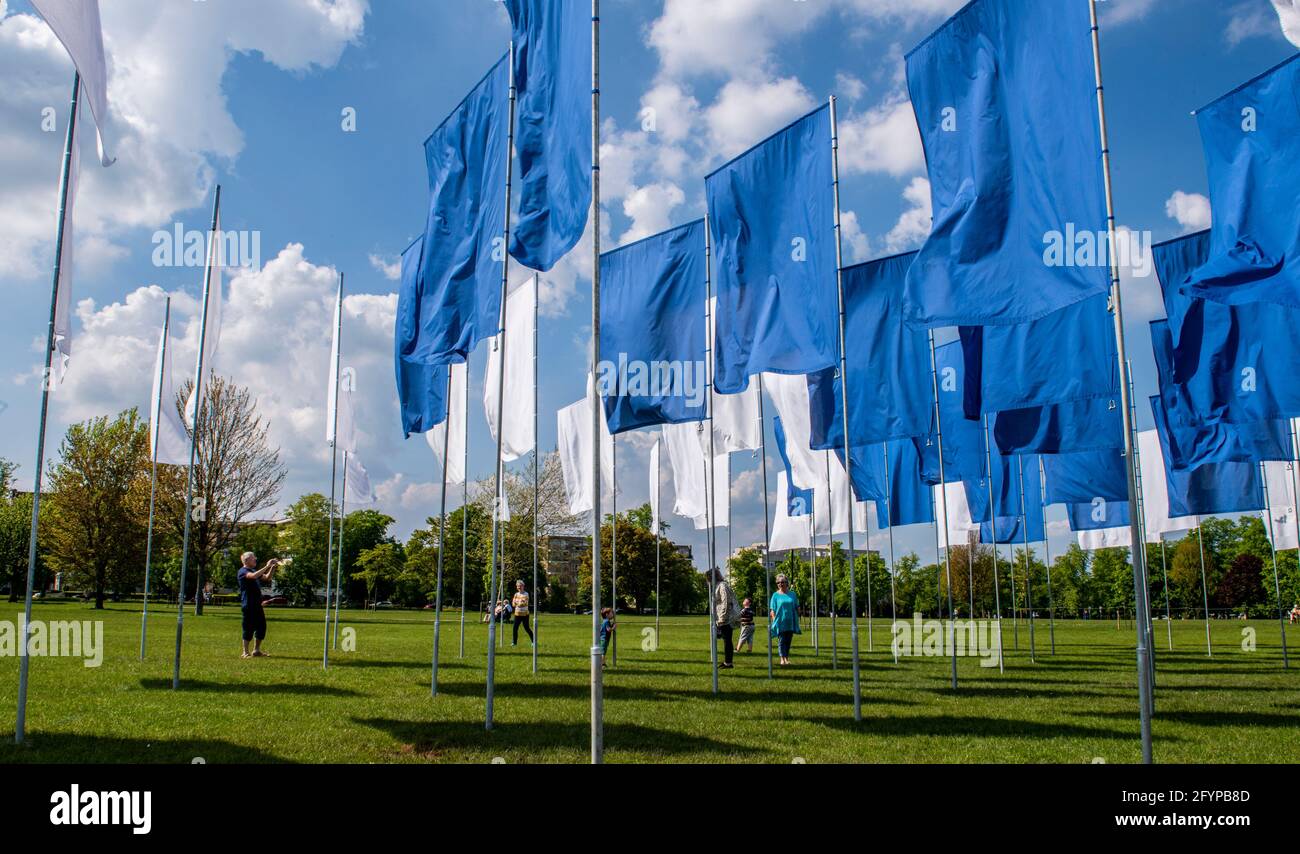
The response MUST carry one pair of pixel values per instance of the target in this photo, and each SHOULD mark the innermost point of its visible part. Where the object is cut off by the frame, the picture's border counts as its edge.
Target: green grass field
(373, 705)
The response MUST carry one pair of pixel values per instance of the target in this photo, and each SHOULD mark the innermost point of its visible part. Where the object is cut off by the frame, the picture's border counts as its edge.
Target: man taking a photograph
(250, 601)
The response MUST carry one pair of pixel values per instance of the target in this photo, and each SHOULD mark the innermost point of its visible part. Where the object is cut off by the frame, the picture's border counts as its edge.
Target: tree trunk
(198, 589)
(99, 590)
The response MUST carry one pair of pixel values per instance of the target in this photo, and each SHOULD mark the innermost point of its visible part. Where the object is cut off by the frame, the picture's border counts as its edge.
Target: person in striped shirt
(520, 605)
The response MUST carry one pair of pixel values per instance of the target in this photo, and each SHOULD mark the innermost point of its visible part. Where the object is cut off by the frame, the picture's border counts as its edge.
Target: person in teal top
(783, 609)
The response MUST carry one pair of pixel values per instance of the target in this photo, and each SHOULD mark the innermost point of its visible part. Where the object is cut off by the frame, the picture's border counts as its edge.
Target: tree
(7, 469)
(748, 578)
(1185, 577)
(94, 530)
(15, 540)
(380, 567)
(236, 474)
(1242, 586)
(361, 530)
(681, 588)
(305, 538)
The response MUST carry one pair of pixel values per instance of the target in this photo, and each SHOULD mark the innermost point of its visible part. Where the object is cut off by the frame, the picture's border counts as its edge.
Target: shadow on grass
(1214, 719)
(203, 686)
(980, 727)
(48, 747)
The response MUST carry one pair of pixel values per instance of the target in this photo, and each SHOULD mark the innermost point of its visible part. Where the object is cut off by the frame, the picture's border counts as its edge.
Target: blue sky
(250, 94)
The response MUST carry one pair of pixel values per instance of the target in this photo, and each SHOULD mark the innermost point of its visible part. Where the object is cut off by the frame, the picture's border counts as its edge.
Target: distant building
(561, 557)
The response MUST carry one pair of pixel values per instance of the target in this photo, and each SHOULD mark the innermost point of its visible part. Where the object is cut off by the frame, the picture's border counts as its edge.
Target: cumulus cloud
(651, 209)
(882, 139)
(746, 111)
(390, 270)
(1190, 210)
(913, 225)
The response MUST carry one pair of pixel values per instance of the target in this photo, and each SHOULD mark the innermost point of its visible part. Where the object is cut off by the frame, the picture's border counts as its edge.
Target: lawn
(373, 704)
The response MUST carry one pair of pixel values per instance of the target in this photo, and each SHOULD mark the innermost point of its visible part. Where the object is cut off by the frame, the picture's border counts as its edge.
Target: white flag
(1155, 491)
(1281, 524)
(76, 24)
(458, 420)
(721, 493)
(211, 331)
(1289, 12)
(357, 489)
(788, 532)
(1106, 538)
(736, 424)
(503, 504)
(63, 289)
(789, 396)
(960, 524)
(518, 411)
(340, 419)
(654, 487)
(687, 464)
(575, 440)
(168, 441)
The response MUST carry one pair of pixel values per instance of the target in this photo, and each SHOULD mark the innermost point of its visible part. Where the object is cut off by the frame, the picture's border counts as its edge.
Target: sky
(255, 95)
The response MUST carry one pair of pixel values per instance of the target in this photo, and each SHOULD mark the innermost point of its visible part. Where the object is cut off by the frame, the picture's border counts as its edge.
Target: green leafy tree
(1242, 585)
(380, 569)
(305, 538)
(15, 540)
(748, 577)
(360, 531)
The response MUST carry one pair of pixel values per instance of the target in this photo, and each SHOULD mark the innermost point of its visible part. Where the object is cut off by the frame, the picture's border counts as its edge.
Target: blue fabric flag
(911, 499)
(799, 502)
(1098, 515)
(1012, 530)
(772, 218)
(652, 307)
(1009, 489)
(1212, 489)
(1251, 138)
(1005, 98)
(553, 127)
(1233, 363)
(1021, 366)
(1062, 428)
(457, 301)
(964, 455)
(421, 388)
(888, 364)
(1081, 478)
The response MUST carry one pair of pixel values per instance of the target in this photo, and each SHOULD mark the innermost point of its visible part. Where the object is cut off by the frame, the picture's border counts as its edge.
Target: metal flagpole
(657, 539)
(970, 581)
(153, 473)
(338, 559)
(500, 568)
(613, 548)
(871, 647)
(536, 599)
(1024, 531)
(442, 545)
(938, 429)
(501, 391)
(334, 465)
(767, 530)
(464, 516)
(1139, 567)
(710, 489)
(1164, 568)
(24, 660)
(844, 413)
(597, 662)
(1205, 592)
(993, 530)
(1277, 586)
(730, 546)
(194, 443)
(830, 559)
(708, 575)
(1047, 552)
(889, 513)
(1141, 514)
(812, 551)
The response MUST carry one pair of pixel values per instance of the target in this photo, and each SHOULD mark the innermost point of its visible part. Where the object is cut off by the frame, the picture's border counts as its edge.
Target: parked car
(275, 601)
(385, 605)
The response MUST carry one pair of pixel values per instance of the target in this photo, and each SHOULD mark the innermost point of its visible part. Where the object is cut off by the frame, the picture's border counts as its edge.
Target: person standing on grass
(250, 601)
(607, 628)
(520, 603)
(783, 611)
(726, 613)
(746, 626)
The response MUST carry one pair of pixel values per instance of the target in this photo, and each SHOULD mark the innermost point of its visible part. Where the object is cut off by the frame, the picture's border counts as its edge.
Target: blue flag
(1098, 515)
(421, 388)
(552, 127)
(652, 305)
(1021, 366)
(799, 502)
(1013, 530)
(911, 499)
(1251, 138)
(772, 218)
(1082, 478)
(1062, 428)
(888, 364)
(964, 455)
(457, 302)
(1005, 98)
(1212, 489)
(1009, 490)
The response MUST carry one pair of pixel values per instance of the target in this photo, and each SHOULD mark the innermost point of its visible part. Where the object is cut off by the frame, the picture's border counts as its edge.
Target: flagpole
(613, 547)
(1205, 591)
(338, 561)
(464, 514)
(501, 377)
(871, 647)
(657, 538)
(334, 461)
(1164, 568)
(442, 545)
(502, 497)
(710, 498)
(889, 515)
(1277, 586)
(767, 529)
(830, 558)
(1141, 514)
(993, 531)
(153, 472)
(1047, 552)
(812, 551)
(194, 443)
(1139, 559)
(597, 662)
(24, 660)
(970, 573)
(844, 411)
(1024, 533)
(535, 601)
(943, 478)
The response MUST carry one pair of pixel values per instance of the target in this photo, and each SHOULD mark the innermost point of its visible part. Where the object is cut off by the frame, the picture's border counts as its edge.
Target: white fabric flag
(654, 486)
(168, 441)
(960, 524)
(1155, 491)
(832, 500)
(1106, 538)
(721, 494)
(1281, 525)
(458, 418)
(76, 24)
(63, 293)
(736, 424)
(687, 464)
(339, 417)
(503, 506)
(789, 396)
(358, 489)
(212, 336)
(788, 532)
(1289, 12)
(573, 424)
(517, 414)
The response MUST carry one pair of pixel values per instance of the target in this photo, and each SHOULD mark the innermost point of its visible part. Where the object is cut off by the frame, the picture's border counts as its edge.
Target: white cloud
(849, 87)
(856, 243)
(882, 139)
(720, 36)
(1117, 12)
(1190, 210)
(913, 225)
(390, 270)
(746, 111)
(1250, 20)
(651, 209)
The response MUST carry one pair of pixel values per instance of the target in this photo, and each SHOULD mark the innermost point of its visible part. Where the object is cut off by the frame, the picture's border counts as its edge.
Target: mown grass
(373, 704)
